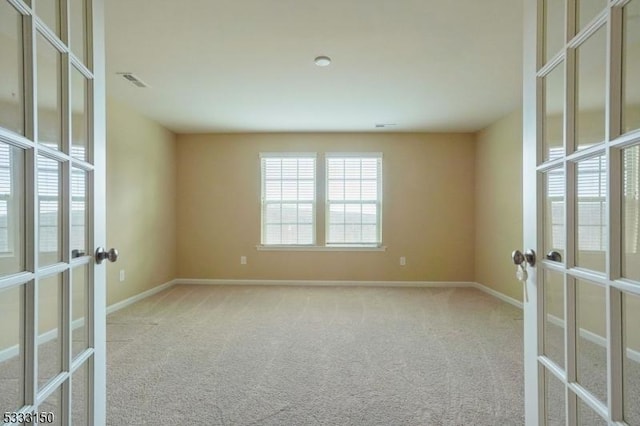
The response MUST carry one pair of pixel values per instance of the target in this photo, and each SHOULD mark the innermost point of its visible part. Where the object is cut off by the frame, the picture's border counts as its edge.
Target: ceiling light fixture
(322, 61)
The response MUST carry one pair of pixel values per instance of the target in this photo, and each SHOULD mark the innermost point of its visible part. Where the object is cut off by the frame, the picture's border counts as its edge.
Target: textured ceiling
(247, 66)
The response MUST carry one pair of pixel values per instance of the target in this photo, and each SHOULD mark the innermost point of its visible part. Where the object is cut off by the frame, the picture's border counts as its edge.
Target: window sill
(261, 247)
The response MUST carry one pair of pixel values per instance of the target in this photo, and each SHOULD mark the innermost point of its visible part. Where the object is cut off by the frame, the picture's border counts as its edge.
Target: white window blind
(5, 197)
(354, 196)
(288, 199)
(78, 209)
(555, 193)
(591, 192)
(49, 208)
(592, 204)
(631, 199)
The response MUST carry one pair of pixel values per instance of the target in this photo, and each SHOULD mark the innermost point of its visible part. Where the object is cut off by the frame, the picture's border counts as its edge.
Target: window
(78, 211)
(591, 207)
(353, 203)
(592, 196)
(6, 186)
(48, 200)
(288, 199)
(354, 199)
(631, 199)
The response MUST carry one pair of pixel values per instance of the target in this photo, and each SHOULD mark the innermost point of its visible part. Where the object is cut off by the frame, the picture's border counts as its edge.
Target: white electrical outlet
(121, 275)
(243, 260)
(403, 261)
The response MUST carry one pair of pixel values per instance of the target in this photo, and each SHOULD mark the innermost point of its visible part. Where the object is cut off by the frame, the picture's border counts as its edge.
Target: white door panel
(581, 146)
(52, 212)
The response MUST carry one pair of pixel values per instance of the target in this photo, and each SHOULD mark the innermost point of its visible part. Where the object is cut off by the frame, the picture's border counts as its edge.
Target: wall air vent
(133, 79)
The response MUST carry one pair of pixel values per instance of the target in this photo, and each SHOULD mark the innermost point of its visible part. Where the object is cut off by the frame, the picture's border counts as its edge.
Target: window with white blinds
(631, 199)
(49, 172)
(6, 186)
(591, 191)
(288, 199)
(78, 210)
(592, 204)
(354, 199)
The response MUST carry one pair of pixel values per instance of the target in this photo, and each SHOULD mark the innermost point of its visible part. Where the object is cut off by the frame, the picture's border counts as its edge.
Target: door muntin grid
(595, 283)
(46, 181)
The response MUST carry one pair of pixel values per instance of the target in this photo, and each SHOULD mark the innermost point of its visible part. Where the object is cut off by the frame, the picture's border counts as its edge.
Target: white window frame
(378, 202)
(264, 203)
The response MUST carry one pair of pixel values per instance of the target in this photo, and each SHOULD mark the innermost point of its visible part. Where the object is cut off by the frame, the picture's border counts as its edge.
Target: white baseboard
(45, 337)
(497, 294)
(130, 301)
(325, 283)
(14, 351)
(593, 337)
(50, 335)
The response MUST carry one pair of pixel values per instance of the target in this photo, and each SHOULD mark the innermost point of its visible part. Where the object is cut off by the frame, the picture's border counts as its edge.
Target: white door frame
(530, 207)
(100, 208)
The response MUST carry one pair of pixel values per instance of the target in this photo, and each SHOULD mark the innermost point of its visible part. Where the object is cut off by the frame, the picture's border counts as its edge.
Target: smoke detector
(322, 61)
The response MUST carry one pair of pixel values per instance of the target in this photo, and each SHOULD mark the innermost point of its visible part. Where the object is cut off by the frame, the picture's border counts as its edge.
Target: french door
(582, 211)
(52, 204)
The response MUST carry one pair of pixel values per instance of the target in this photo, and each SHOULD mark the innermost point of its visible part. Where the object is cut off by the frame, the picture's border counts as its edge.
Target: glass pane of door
(591, 214)
(77, 28)
(631, 213)
(79, 234)
(588, 417)
(555, 400)
(554, 27)
(587, 10)
(12, 374)
(631, 67)
(12, 218)
(554, 323)
(591, 338)
(49, 94)
(50, 328)
(554, 213)
(631, 358)
(79, 309)
(11, 69)
(553, 137)
(79, 400)
(50, 217)
(52, 406)
(50, 13)
(591, 90)
(79, 127)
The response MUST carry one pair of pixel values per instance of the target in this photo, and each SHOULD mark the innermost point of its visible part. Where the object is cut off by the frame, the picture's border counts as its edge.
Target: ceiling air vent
(383, 125)
(133, 79)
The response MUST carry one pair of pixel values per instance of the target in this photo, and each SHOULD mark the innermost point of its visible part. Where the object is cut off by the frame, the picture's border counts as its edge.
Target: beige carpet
(215, 355)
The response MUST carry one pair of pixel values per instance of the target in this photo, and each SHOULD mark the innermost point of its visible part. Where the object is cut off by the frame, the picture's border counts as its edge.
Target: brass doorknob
(102, 254)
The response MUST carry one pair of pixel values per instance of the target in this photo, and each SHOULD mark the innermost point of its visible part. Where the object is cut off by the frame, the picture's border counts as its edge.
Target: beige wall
(427, 213)
(141, 202)
(498, 214)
